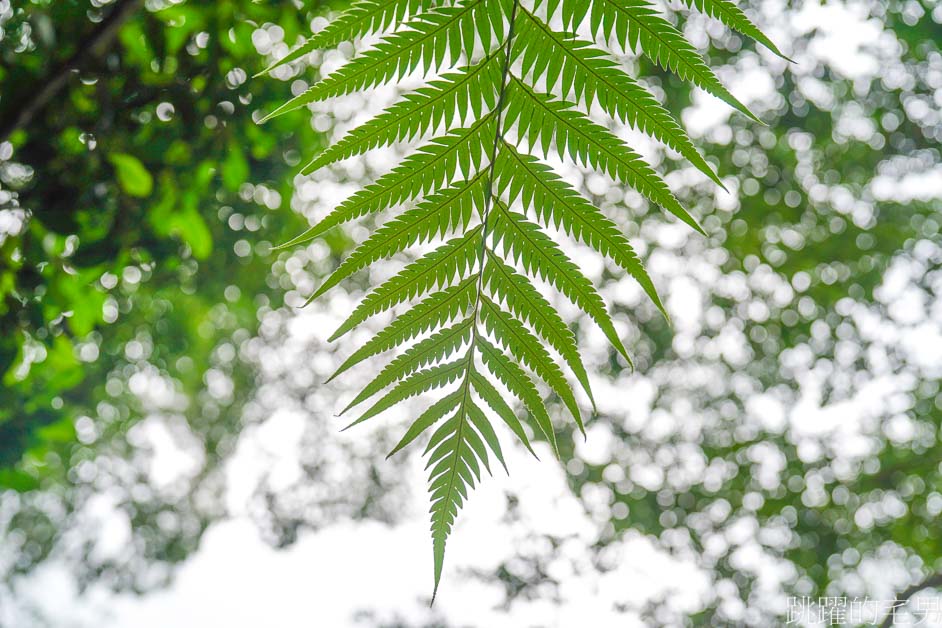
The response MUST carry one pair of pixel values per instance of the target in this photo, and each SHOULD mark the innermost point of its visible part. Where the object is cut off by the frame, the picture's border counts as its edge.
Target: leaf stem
(488, 199)
(488, 203)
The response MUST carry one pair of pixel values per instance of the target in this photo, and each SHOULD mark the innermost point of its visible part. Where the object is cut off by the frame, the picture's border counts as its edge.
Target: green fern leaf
(526, 348)
(493, 398)
(542, 258)
(471, 89)
(734, 18)
(419, 173)
(527, 304)
(542, 118)
(520, 386)
(496, 64)
(432, 349)
(417, 383)
(363, 18)
(432, 415)
(436, 216)
(638, 26)
(436, 269)
(649, 32)
(449, 482)
(437, 309)
(422, 45)
(592, 76)
(484, 428)
(556, 203)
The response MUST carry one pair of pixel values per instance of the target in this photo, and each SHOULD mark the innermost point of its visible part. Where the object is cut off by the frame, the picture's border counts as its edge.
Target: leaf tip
(595, 409)
(356, 422)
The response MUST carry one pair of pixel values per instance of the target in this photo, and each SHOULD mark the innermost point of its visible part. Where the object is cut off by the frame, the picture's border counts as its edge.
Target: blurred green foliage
(138, 211)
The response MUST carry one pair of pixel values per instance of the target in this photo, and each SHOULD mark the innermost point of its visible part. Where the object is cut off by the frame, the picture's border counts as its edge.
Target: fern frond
(475, 316)
(431, 41)
(526, 348)
(437, 309)
(436, 216)
(527, 304)
(520, 386)
(436, 269)
(450, 480)
(541, 118)
(415, 384)
(556, 203)
(527, 245)
(650, 33)
(638, 26)
(422, 45)
(363, 18)
(434, 348)
(734, 18)
(483, 426)
(470, 89)
(431, 166)
(432, 415)
(591, 75)
(493, 398)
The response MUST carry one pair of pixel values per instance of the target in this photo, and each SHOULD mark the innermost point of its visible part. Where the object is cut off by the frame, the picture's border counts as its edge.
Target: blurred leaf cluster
(137, 210)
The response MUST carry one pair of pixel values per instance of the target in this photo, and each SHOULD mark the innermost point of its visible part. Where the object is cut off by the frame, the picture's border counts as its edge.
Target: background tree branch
(932, 582)
(34, 99)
